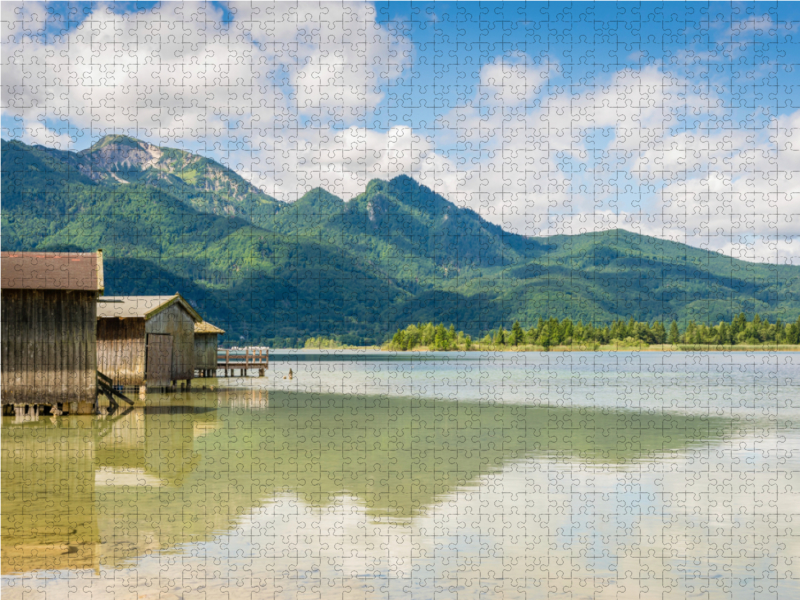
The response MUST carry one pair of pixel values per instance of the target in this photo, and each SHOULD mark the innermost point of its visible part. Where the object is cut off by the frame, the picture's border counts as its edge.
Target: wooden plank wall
(205, 350)
(49, 351)
(121, 350)
(177, 322)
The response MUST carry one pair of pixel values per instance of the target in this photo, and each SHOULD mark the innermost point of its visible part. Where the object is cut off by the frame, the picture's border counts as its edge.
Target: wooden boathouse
(206, 343)
(146, 341)
(49, 311)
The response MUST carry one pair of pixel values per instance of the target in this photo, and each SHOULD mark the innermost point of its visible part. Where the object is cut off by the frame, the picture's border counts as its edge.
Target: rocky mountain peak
(120, 153)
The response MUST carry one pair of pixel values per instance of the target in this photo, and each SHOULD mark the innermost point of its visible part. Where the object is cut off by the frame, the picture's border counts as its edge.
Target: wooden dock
(251, 358)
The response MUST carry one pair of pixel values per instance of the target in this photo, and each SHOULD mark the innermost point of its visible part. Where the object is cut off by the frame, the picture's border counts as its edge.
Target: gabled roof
(140, 307)
(76, 271)
(206, 327)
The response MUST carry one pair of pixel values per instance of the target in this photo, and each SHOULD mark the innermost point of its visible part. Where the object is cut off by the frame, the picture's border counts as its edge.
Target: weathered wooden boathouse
(146, 341)
(49, 311)
(206, 344)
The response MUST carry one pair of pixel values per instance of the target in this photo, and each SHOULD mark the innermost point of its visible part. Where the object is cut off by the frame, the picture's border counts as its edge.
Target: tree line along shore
(552, 334)
(738, 334)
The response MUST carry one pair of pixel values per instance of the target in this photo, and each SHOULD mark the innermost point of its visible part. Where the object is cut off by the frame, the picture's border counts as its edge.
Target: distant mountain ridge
(398, 253)
(202, 183)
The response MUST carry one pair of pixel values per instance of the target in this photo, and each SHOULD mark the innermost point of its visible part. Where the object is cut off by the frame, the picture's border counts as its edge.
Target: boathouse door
(159, 360)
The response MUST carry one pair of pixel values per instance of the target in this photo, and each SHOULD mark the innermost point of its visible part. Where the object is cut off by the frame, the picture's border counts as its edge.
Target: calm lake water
(575, 475)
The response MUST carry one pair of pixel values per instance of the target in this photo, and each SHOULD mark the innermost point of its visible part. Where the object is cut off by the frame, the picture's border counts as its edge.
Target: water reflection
(81, 492)
(49, 515)
(293, 494)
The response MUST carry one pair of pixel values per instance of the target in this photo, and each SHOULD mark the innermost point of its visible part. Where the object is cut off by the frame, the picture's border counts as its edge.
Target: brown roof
(82, 271)
(140, 307)
(206, 327)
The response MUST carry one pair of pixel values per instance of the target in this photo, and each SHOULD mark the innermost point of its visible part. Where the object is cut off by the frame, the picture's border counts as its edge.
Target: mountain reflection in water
(81, 492)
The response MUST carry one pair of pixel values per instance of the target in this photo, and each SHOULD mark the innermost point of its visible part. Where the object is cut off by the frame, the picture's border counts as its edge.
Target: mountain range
(399, 253)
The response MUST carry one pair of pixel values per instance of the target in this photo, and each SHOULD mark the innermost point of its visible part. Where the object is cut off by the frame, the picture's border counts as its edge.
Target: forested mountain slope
(399, 253)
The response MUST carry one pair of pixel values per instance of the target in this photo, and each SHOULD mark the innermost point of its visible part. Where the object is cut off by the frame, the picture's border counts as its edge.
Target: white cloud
(36, 133)
(752, 26)
(514, 78)
(173, 78)
(287, 92)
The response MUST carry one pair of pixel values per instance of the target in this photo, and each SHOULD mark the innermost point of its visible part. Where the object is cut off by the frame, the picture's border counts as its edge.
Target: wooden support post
(85, 408)
(142, 392)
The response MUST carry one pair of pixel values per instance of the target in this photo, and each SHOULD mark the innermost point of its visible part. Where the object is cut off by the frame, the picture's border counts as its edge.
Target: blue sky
(672, 119)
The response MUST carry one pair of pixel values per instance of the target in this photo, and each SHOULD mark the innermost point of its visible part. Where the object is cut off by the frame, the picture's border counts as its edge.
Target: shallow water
(575, 475)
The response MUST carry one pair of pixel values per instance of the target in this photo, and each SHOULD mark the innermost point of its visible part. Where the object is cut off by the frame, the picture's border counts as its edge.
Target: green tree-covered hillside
(397, 254)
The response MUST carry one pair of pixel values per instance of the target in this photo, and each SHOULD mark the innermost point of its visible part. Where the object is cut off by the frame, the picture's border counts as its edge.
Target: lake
(440, 475)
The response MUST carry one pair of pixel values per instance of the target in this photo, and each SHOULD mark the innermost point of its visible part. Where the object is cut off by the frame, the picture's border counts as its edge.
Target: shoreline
(570, 348)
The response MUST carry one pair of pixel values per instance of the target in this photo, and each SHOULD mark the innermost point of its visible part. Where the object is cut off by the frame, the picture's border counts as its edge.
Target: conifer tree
(674, 335)
(659, 333)
(517, 334)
